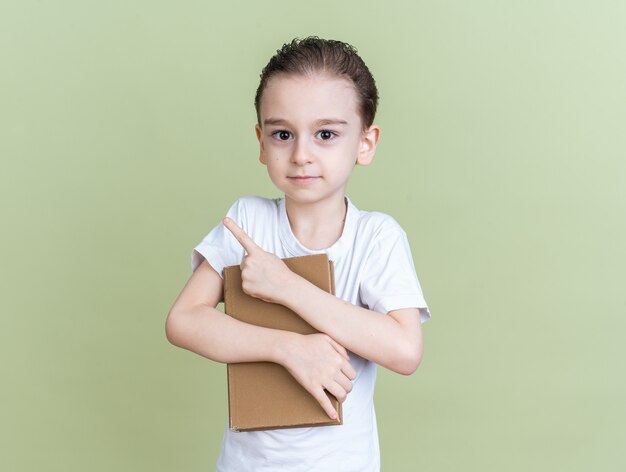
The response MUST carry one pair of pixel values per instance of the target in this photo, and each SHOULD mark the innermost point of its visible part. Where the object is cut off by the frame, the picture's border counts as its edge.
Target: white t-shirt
(373, 269)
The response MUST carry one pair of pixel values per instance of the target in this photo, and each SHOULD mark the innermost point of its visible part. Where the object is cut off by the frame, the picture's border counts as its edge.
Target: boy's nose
(299, 154)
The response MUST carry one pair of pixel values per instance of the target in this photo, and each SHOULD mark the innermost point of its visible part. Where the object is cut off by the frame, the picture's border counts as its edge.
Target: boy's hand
(319, 363)
(263, 275)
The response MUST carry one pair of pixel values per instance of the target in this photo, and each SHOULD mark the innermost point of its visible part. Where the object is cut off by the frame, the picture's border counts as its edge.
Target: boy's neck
(317, 226)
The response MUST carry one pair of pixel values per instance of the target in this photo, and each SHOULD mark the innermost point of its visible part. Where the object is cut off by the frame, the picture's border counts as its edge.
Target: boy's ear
(259, 136)
(369, 141)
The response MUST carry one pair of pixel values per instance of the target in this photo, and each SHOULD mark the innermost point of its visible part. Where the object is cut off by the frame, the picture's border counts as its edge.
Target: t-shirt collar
(295, 248)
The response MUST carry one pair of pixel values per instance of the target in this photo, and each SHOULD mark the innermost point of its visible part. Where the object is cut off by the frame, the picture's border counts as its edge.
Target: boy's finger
(246, 241)
(339, 348)
(324, 401)
(345, 383)
(337, 390)
(349, 371)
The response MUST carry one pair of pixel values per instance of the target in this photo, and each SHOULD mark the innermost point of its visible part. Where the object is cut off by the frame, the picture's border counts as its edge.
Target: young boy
(315, 109)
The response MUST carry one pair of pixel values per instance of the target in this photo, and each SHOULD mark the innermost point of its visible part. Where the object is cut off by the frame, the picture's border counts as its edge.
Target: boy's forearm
(316, 361)
(219, 337)
(372, 335)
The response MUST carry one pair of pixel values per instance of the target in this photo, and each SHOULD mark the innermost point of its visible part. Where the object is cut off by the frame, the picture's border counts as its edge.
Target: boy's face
(311, 136)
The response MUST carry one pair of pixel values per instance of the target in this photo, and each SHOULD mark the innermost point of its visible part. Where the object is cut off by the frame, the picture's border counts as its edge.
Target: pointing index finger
(246, 241)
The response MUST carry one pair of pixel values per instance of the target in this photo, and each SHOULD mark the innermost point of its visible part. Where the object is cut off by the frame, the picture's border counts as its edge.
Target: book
(264, 395)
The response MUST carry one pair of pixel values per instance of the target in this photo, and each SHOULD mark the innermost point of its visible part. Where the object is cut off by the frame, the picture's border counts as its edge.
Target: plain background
(127, 131)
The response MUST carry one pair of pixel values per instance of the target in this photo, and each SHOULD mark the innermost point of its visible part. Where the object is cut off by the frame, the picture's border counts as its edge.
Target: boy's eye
(325, 135)
(282, 134)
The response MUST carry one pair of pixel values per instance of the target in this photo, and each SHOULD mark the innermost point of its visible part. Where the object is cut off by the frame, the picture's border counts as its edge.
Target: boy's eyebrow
(322, 122)
(331, 121)
(274, 121)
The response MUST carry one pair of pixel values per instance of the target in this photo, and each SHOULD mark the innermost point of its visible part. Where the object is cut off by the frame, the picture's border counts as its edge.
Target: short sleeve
(389, 280)
(220, 248)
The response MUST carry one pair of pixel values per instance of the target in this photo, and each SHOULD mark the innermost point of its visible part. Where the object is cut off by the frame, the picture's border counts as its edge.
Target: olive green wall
(127, 131)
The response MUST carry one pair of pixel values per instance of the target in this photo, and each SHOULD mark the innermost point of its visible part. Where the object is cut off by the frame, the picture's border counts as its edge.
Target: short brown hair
(312, 54)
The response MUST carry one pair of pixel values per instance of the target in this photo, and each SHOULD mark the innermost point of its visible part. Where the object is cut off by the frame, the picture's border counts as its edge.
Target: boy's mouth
(303, 179)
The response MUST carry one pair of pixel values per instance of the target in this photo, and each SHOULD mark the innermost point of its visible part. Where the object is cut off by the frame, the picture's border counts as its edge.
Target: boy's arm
(316, 361)
(392, 340)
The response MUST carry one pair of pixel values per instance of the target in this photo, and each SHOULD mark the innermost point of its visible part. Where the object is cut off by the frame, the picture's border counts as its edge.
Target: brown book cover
(263, 395)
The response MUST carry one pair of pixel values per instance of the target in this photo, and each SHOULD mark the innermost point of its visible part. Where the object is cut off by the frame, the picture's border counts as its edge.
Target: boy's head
(314, 55)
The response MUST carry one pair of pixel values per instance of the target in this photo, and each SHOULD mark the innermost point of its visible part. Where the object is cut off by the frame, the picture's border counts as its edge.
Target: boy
(315, 108)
